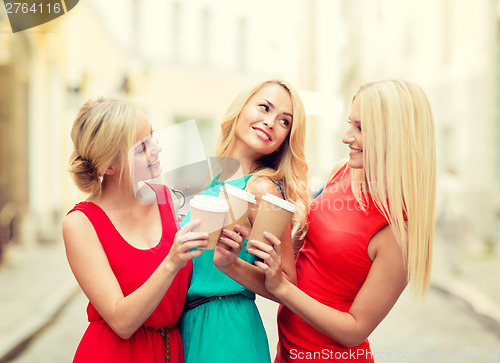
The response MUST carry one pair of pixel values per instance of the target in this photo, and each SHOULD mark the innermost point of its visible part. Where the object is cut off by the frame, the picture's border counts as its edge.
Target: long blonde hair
(103, 131)
(286, 165)
(399, 168)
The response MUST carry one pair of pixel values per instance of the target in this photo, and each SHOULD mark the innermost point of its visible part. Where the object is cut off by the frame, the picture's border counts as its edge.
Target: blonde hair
(399, 168)
(286, 165)
(102, 132)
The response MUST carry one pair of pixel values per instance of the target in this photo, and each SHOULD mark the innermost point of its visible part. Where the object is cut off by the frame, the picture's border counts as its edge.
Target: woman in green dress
(264, 129)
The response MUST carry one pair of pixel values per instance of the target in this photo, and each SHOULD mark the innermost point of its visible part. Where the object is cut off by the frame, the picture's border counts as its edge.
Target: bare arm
(383, 286)
(251, 276)
(90, 265)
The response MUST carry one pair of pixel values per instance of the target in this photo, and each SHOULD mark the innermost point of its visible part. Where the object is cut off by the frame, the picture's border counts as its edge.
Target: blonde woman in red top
(130, 258)
(370, 231)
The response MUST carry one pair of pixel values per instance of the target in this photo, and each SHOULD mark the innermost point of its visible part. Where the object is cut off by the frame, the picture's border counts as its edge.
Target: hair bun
(89, 166)
(85, 174)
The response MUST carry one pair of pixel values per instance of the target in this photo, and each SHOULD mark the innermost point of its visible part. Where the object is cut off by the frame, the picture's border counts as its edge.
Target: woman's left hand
(229, 246)
(271, 265)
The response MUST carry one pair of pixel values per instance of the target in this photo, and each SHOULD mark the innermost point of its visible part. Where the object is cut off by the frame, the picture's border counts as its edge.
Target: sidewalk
(475, 283)
(36, 282)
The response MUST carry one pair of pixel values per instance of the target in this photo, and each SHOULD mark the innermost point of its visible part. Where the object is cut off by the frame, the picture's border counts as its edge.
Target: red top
(331, 267)
(132, 267)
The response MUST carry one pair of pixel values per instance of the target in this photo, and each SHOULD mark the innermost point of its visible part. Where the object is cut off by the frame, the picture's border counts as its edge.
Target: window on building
(447, 32)
(135, 25)
(241, 44)
(205, 37)
(497, 126)
(176, 32)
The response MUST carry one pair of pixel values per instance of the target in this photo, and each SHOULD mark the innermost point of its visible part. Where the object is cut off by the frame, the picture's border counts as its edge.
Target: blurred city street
(48, 318)
(439, 330)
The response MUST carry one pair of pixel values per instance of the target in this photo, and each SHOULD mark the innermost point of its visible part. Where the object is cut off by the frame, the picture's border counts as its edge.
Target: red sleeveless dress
(132, 267)
(331, 267)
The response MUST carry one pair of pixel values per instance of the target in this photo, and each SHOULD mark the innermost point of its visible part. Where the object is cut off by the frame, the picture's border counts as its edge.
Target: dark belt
(165, 335)
(202, 300)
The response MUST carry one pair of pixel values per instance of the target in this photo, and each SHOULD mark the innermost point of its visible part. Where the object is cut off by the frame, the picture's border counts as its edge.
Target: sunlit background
(186, 59)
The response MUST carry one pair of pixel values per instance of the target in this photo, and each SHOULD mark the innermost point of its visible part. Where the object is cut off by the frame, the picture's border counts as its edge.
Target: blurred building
(45, 73)
(190, 58)
(28, 68)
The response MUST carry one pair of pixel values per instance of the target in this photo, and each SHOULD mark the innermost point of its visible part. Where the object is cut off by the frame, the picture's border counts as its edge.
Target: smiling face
(264, 123)
(353, 136)
(144, 155)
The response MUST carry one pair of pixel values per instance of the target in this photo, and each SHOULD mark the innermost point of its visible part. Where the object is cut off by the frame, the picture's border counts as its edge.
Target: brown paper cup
(239, 202)
(273, 216)
(212, 212)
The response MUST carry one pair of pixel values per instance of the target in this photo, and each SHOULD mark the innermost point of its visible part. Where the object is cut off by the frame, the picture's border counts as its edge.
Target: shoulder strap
(165, 202)
(99, 219)
(247, 177)
(279, 187)
(278, 184)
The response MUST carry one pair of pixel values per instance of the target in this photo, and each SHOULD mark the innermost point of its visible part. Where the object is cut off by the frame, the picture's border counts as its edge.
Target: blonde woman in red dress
(370, 231)
(130, 258)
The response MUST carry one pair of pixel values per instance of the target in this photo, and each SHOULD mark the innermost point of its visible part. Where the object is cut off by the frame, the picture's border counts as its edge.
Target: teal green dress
(227, 327)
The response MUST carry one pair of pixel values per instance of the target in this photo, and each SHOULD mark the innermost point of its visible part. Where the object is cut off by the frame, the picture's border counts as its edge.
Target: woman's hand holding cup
(230, 245)
(270, 253)
(184, 242)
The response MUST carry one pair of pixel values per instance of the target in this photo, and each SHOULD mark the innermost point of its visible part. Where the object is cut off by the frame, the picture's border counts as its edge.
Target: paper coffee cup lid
(285, 204)
(209, 203)
(240, 193)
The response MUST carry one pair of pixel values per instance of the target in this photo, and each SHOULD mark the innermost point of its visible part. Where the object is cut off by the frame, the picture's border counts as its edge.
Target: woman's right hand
(229, 247)
(271, 261)
(184, 242)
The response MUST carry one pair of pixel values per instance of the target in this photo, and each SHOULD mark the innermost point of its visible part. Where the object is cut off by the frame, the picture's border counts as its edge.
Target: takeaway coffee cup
(273, 216)
(239, 202)
(212, 212)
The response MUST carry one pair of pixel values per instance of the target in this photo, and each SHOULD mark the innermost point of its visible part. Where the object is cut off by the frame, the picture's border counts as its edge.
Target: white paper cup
(212, 212)
(273, 216)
